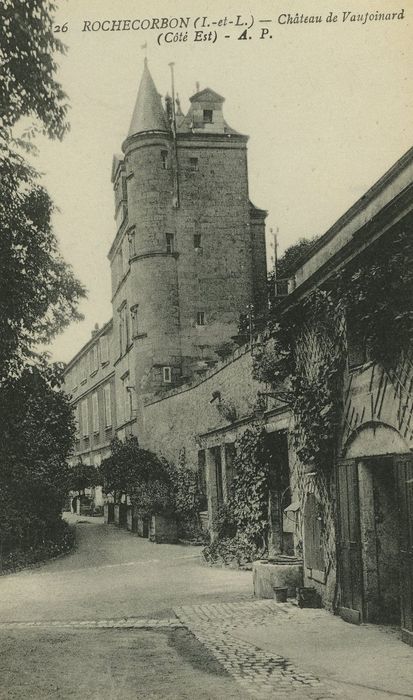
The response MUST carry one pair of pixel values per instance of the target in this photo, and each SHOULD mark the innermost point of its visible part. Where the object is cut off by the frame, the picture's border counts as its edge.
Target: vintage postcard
(231, 442)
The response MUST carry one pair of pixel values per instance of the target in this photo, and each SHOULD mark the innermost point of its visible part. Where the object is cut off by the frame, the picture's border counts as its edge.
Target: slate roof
(148, 114)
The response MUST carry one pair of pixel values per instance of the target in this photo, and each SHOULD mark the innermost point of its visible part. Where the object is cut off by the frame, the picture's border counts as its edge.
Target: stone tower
(189, 254)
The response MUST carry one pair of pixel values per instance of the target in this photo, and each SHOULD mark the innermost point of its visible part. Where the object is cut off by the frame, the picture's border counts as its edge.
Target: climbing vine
(377, 295)
(304, 356)
(303, 362)
(243, 522)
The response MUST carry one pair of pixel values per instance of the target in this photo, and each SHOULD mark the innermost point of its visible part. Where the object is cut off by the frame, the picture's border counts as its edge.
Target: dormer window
(207, 115)
(169, 243)
(167, 375)
(193, 163)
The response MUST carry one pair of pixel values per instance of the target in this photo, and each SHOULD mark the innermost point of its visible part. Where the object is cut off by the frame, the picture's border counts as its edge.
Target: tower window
(208, 116)
(169, 242)
(135, 321)
(164, 159)
(197, 240)
(167, 375)
(193, 163)
(200, 318)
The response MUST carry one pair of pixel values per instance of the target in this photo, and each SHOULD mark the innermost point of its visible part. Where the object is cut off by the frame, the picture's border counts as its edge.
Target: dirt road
(54, 648)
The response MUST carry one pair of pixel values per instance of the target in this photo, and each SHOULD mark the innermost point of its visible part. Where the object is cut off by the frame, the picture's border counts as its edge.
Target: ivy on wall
(377, 293)
(304, 356)
(242, 523)
(303, 362)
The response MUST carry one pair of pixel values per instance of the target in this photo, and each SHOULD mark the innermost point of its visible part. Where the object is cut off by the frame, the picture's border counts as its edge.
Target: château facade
(187, 260)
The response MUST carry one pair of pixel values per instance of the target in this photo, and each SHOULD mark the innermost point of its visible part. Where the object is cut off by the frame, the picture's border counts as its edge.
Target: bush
(59, 541)
(224, 522)
(239, 550)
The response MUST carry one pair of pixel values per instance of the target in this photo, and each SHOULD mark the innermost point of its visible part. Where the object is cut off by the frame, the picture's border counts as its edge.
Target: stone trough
(281, 572)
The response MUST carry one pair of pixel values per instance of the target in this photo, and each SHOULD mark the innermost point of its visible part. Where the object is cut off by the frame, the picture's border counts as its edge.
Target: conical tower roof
(148, 114)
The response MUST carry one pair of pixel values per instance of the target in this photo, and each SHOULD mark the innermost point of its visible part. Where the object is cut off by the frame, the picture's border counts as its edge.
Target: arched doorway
(375, 518)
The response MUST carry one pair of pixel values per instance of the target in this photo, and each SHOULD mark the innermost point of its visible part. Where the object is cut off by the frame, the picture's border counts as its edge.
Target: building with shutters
(188, 258)
(352, 524)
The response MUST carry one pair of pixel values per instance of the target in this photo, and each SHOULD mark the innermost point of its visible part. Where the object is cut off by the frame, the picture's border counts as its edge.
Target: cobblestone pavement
(123, 623)
(261, 674)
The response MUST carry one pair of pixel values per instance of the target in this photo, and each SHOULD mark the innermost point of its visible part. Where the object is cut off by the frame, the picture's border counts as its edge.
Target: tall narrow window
(131, 239)
(167, 375)
(94, 359)
(208, 116)
(135, 320)
(95, 412)
(197, 240)
(123, 321)
(120, 318)
(169, 242)
(127, 332)
(104, 349)
(120, 265)
(127, 397)
(193, 163)
(108, 405)
(77, 421)
(83, 369)
(85, 419)
(200, 318)
(164, 159)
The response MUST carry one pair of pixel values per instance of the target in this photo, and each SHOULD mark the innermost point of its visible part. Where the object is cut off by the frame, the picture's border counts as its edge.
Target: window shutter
(104, 349)
(85, 421)
(108, 407)
(95, 410)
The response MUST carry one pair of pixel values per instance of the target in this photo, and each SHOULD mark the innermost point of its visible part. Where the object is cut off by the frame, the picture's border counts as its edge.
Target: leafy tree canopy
(27, 49)
(83, 476)
(287, 264)
(37, 438)
(130, 465)
(39, 293)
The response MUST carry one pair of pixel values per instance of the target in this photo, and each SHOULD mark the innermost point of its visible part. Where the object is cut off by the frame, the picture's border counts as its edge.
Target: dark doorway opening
(379, 521)
(281, 535)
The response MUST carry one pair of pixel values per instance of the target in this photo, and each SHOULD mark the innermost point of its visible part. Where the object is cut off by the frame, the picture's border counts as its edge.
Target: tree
(83, 476)
(38, 432)
(39, 293)
(140, 474)
(27, 48)
(288, 263)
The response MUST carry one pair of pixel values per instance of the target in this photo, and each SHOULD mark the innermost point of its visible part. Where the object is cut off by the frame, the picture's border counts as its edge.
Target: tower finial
(145, 48)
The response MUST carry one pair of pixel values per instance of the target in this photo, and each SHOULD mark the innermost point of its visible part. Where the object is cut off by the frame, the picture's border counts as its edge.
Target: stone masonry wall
(174, 422)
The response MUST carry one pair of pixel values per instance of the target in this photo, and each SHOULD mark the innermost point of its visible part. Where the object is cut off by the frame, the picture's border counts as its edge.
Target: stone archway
(374, 439)
(375, 509)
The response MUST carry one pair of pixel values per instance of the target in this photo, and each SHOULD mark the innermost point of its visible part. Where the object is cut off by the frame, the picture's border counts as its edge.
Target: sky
(328, 108)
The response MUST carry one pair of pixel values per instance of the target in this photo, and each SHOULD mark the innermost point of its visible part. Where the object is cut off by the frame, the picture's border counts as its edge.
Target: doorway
(379, 525)
(375, 547)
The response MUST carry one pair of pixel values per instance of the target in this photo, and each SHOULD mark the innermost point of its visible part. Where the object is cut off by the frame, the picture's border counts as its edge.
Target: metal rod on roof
(171, 65)
(175, 146)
